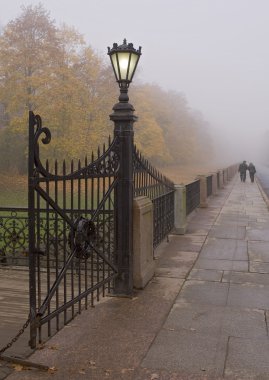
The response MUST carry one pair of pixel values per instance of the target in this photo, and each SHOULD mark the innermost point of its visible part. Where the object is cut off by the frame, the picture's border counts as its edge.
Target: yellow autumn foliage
(51, 71)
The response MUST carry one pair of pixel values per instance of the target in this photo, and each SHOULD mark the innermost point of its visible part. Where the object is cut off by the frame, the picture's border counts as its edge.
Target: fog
(215, 52)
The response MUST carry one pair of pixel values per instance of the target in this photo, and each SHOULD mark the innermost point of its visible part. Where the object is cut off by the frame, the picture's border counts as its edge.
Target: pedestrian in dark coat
(252, 171)
(243, 170)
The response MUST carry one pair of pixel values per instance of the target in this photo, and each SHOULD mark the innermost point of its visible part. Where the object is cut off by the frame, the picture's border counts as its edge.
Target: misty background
(215, 52)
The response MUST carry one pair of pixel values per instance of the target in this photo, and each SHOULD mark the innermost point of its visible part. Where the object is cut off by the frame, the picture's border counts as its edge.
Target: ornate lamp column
(124, 59)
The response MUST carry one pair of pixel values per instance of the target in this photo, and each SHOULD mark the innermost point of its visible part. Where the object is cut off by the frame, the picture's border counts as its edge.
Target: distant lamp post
(124, 59)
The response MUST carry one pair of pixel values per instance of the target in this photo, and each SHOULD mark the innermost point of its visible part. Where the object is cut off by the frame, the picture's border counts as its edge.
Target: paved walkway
(14, 309)
(203, 316)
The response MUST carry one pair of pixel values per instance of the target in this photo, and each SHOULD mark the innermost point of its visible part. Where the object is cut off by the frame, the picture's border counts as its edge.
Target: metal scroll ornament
(83, 237)
(106, 164)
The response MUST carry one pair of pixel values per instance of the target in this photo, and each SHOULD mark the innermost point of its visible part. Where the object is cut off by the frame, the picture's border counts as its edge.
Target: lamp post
(124, 59)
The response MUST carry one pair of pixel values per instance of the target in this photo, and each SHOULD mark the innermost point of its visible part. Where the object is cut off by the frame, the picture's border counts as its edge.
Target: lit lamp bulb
(123, 65)
(124, 59)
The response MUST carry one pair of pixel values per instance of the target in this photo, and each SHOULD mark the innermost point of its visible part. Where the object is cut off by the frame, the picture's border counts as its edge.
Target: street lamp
(124, 59)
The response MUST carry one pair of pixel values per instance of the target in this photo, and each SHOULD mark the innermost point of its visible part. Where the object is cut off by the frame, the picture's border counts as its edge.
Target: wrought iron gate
(71, 232)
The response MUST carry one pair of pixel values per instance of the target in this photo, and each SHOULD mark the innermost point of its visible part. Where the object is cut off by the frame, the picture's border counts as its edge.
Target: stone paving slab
(187, 243)
(205, 215)
(261, 234)
(216, 320)
(224, 249)
(233, 218)
(235, 265)
(249, 295)
(258, 267)
(248, 359)
(258, 251)
(234, 223)
(225, 231)
(245, 278)
(205, 275)
(198, 229)
(176, 264)
(203, 292)
(187, 351)
(258, 224)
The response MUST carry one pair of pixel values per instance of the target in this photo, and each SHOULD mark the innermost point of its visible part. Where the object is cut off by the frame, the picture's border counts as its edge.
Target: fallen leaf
(18, 367)
(154, 376)
(53, 347)
(52, 370)
(124, 370)
(40, 346)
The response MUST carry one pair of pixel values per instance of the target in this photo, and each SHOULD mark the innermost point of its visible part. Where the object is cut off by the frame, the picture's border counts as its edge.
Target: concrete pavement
(203, 316)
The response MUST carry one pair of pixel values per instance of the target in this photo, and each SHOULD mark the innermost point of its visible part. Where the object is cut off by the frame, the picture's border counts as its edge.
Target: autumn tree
(168, 131)
(51, 71)
(27, 46)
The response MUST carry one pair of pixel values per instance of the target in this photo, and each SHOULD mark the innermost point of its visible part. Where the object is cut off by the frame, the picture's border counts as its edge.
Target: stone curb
(264, 195)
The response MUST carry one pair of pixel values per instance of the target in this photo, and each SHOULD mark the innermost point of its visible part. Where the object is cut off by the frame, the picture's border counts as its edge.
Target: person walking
(252, 171)
(243, 171)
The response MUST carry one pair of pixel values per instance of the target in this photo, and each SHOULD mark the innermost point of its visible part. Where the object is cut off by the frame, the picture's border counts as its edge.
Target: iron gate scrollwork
(13, 236)
(84, 235)
(71, 219)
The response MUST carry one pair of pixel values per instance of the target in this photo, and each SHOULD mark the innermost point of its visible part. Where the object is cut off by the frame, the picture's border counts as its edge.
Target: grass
(14, 187)
(13, 190)
(187, 173)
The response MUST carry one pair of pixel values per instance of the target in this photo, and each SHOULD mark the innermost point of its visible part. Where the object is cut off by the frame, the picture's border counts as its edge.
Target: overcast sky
(216, 52)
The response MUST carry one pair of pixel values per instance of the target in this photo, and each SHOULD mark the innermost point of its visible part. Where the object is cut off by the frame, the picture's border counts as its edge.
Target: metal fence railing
(192, 196)
(14, 240)
(14, 236)
(149, 182)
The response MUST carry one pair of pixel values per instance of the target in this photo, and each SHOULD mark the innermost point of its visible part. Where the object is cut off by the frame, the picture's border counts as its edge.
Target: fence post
(226, 175)
(31, 231)
(223, 177)
(180, 210)
(214, 184)
(203, 190)
(144, 264)
(124, 119)
(221, 186)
